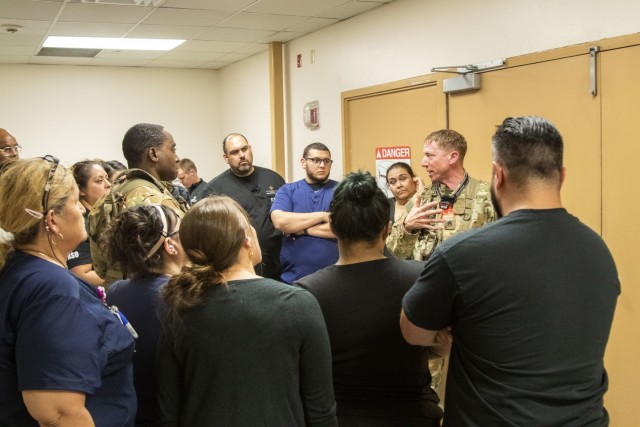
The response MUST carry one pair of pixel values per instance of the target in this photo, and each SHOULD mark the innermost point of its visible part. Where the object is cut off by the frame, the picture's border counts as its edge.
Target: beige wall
(83, 112)
(406, 38)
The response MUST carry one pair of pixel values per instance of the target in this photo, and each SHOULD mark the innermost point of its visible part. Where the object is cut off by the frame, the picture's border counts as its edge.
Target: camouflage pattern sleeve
(401, 242)
(98, 260)
(143, 195)
(482, 211)
(148, 195)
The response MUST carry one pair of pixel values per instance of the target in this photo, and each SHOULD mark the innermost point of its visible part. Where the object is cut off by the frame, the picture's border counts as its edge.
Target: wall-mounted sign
(310, 115)
(385, 157)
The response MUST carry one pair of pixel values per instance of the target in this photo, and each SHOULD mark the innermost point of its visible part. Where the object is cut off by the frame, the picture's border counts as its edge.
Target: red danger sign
(391, 153)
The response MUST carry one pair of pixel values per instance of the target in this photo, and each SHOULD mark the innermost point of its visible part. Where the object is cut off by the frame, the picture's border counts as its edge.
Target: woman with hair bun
(240, 350)
(65, 358)
(379, 379)
(144, 241)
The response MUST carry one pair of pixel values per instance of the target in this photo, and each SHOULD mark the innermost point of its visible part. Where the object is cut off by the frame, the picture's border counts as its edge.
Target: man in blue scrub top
(301, 212)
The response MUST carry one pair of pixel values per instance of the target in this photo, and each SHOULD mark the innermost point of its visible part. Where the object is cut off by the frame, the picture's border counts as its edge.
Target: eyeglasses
(47, 187)
(11, 149)
(317, 160)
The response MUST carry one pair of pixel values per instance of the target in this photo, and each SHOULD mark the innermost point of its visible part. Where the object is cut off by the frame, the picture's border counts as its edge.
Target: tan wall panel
(620, 229)
(389, 119)
(556, 90)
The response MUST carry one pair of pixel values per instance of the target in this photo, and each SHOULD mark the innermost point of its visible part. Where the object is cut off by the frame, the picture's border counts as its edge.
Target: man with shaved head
(9, 147)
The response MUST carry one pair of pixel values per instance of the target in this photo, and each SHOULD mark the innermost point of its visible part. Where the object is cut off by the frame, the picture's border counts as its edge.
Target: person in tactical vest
(151, 156)
(530, 298)
(453, 203)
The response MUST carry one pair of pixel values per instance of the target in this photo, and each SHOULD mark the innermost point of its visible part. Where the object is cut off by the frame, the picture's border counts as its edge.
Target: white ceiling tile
(30, 10)
(89, 29)
(312, 24)
(196, 18)
(19, 50)
(261, 21)
(295, 7)
(218, 32)
(14, 59)
(229, 5)
(350, 9)
(215, 65)
(28, 26)
(176, 55)
(120, 62)
(210, 46)
(95, 12)
(59, 60)
(175, 64)
(129, 54)
(181, 32)
(233, 57)
(235, 34)
(254, 48)
(33, 40)
(283, 36)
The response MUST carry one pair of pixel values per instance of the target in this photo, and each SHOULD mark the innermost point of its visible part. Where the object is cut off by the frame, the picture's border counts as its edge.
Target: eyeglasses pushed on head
(47, 186)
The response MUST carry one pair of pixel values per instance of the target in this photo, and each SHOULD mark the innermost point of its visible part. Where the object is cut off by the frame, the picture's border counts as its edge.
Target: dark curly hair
(131, 236)
(359, 210)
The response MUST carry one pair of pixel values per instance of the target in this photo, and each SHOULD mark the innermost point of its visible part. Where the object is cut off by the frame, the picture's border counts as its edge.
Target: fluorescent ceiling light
(111, 43)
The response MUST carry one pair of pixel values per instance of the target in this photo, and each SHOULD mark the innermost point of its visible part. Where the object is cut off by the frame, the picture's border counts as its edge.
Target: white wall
(79, 112)
(406, 38)
(83, 112)
(245, 106)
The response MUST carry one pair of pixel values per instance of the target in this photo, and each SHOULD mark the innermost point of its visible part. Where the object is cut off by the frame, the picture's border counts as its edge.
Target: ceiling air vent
(68, 52)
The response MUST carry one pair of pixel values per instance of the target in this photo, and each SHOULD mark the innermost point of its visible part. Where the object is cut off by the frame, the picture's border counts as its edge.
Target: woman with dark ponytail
(239, 350)
(144, 241)
(379, 379)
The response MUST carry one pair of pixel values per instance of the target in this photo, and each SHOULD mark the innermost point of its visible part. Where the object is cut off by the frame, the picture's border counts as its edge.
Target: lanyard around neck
(453, 197)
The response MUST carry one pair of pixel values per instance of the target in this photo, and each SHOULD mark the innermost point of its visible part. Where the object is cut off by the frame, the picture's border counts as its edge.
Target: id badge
(448, 216)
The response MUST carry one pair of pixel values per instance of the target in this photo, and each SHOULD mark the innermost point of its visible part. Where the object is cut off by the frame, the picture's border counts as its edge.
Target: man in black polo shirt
(254, 188)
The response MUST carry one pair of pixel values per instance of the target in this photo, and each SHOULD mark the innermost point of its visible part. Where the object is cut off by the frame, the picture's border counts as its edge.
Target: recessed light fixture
(111, 43)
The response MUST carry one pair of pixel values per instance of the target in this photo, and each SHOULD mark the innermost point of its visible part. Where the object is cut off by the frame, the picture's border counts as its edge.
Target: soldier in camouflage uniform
(453, 203)
(151, 155)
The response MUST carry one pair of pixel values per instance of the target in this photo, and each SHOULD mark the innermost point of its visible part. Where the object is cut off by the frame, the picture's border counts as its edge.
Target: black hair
(82, 171)
(529, 147)
(315, 146)
(359, 209)
(401, 165)
(133, 234)
(138, 139)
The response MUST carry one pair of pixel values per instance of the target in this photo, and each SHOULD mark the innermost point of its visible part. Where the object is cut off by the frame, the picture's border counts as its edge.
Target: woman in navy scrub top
(65, 358)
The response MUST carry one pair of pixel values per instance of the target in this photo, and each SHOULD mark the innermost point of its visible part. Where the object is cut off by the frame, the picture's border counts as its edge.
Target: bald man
(9, 148)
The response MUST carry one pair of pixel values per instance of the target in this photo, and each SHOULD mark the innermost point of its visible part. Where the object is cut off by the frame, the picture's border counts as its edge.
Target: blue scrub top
(56, 334)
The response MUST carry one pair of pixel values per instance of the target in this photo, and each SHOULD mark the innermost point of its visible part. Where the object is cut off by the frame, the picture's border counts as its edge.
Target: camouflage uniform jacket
(472, 209)
(132, 188)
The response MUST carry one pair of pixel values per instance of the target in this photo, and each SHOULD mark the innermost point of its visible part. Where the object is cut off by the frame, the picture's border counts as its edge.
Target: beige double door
(602, 149)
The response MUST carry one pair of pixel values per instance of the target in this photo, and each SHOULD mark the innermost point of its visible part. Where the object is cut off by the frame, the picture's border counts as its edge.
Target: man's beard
(315, 180)
(494, 201)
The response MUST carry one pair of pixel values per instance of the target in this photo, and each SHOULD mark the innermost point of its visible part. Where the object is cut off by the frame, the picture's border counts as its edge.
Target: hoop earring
(61, 236)
(250, 253)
